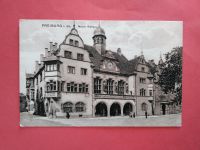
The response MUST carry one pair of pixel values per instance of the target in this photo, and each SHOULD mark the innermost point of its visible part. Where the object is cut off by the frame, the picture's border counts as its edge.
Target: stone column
(121, 109)
(108, 111)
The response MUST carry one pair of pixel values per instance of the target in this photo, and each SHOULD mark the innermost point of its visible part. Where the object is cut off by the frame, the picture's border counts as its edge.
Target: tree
(170, 79)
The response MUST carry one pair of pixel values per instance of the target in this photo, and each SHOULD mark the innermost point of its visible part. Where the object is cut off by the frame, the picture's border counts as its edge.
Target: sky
(153, 38)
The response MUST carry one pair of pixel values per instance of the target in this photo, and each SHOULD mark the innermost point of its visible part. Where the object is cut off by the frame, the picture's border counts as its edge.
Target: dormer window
(71, 42)
(76, 43)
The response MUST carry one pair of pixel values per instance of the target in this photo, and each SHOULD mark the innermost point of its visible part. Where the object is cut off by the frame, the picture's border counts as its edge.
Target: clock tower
(99, 40)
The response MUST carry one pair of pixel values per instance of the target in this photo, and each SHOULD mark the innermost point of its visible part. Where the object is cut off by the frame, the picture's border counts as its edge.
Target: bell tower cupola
(99, 39)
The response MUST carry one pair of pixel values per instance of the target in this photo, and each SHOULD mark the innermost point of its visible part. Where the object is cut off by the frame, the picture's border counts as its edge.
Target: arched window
(80, 107)
(121, 87)
(109, 86)
(144, 107)
(68, 107)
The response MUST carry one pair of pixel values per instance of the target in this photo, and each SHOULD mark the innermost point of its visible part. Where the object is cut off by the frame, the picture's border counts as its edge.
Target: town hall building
(90, 81)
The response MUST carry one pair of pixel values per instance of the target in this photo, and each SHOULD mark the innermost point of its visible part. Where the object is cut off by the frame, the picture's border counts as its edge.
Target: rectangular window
(37, 81)
(80, 56)
(121, 87)
(83, 71)
(83, 87)
(142, 69)
(76, 43)
(150, 92)
(80, 88)
(41, 77)
(86, 88)
(68, 54)
(97, 85)
(51, 86)
(71, 42)
(52, 67)
(142, 92)
(68, 87)
(71, 69)
(71, 87)
(75, 87)
(109, 86)
(142, 80)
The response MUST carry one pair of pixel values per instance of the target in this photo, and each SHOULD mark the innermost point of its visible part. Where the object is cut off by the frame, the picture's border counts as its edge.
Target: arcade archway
(101, 109)
(115, 109)
(128, 108)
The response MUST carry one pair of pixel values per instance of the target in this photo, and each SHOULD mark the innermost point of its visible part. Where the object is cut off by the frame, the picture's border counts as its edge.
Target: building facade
(89, 80)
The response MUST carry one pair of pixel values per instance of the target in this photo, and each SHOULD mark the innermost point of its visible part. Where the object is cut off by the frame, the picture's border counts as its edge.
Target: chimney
(41, 57)
(119, 51)
(54, 46)
(46, 52)
(36, 65)
(51, 46)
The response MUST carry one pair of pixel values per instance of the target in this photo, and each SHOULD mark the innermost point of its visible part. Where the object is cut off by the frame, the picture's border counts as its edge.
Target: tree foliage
(170, 78)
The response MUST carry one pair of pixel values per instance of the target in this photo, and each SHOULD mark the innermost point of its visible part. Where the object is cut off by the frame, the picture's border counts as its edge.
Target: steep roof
(126, 67)
(95, 57)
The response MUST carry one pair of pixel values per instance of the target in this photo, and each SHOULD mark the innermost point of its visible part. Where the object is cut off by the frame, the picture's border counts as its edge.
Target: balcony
(122, 97)
(52, 94)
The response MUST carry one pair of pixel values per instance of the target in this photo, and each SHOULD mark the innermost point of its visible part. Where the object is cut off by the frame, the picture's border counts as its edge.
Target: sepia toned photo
(100, 73)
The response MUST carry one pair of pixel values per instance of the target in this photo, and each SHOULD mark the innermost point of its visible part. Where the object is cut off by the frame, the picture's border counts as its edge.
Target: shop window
(68, 107)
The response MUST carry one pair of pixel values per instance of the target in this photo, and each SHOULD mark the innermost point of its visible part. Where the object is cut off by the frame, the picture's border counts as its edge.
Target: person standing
(146, 114)
(67, 115)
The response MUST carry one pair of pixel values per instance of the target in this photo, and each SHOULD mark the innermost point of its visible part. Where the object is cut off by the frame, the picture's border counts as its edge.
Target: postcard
(100, 73)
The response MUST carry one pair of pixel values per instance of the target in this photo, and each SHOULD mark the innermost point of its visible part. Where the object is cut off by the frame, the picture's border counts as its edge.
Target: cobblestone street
(27, 119)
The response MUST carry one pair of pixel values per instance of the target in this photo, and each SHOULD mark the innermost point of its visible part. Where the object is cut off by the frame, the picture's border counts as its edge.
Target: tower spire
(141, 46)
(74, 24)
(99, 23)
(160, 55)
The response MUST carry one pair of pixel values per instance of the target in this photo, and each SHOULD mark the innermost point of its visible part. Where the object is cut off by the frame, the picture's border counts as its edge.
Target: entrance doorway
(101, 109)
(163, 109)
(115, 110)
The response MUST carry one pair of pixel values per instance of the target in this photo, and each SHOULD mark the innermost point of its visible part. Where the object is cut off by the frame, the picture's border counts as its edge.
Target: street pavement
(29, 120)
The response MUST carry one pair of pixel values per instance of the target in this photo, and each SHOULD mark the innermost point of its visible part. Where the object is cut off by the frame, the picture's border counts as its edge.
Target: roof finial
(99, 23)
(160, 55)
(142, 46)
(74, 24)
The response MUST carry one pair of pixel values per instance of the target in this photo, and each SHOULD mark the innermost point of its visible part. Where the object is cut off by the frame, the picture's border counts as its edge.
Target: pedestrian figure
(146, 114)
(133, 115)
(130, 114)
(68, 115)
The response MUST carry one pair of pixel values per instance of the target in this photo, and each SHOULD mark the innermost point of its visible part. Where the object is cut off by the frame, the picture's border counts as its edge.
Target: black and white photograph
(111, 73)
